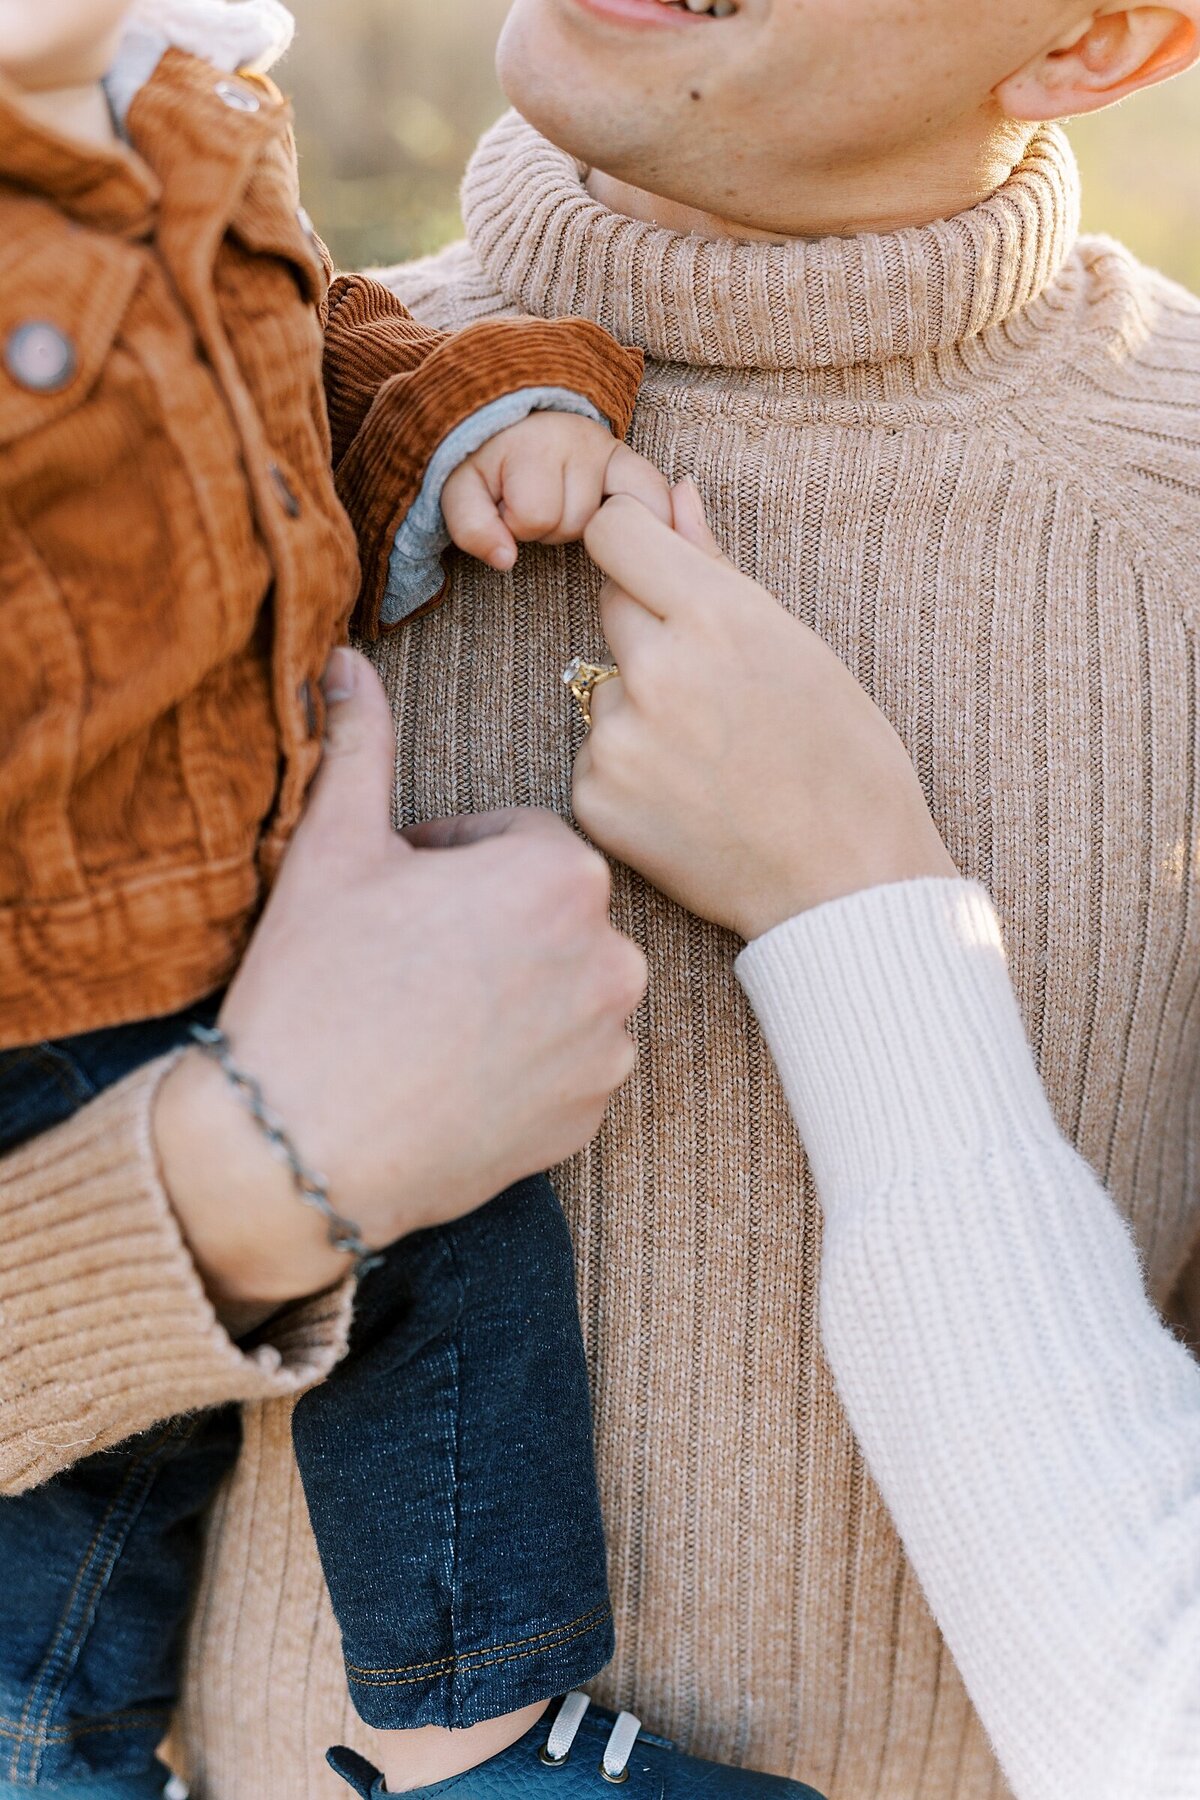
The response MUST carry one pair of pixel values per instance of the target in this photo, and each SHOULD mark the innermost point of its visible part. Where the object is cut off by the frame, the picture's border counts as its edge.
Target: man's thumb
(690, 520)
(353, 789)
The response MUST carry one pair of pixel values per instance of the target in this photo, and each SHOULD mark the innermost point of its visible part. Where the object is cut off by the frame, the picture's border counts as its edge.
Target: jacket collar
(116, 188)
(251, 36)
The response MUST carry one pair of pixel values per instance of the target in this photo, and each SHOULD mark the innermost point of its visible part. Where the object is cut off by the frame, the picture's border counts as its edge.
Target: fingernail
(340, 677)
(504, 557)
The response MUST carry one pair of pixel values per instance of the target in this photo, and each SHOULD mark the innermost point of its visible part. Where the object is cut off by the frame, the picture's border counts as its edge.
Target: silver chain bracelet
(313, 1189)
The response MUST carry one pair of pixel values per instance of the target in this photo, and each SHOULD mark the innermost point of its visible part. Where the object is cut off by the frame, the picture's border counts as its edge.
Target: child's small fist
(543, 481)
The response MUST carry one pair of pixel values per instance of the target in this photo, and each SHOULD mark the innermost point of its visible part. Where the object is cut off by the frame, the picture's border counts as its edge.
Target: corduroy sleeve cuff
(105, 1326)
(382, 471)
(896, 1032)
(370, 336)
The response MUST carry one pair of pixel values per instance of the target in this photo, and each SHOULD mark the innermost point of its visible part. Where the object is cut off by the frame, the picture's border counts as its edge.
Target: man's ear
(1111, 52)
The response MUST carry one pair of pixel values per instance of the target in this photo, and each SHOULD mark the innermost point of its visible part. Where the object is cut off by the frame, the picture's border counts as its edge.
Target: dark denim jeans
(447, 1464)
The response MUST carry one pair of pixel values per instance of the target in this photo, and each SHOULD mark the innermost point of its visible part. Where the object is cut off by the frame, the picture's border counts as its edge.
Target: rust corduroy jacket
(177, 556)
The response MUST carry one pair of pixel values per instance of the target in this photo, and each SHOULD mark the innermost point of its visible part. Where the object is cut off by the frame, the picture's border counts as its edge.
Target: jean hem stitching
(596, 1613)
(463, 1278)
(472, 1663)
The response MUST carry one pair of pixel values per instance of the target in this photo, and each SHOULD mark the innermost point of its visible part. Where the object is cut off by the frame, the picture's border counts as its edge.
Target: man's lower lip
(648, 13)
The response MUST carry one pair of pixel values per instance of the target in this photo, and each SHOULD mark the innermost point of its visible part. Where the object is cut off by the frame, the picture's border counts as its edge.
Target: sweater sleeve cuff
(383, 470)
(105, 1325)
(896, 1031)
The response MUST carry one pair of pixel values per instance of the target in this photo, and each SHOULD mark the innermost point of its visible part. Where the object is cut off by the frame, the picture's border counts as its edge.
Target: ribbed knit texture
(1034, 1426)
(105, 1328)
(551, 251)
(827, 966)
(968, 456)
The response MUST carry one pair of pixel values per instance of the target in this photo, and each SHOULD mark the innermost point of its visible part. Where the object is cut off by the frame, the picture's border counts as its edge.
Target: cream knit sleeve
(1031, 1423)
(105, 1327)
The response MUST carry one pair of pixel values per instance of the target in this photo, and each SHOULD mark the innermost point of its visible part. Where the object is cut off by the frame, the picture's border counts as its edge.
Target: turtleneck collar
(830, 303)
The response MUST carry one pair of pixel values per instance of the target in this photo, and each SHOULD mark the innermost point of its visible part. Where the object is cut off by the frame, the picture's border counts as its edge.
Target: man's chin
(574, 85)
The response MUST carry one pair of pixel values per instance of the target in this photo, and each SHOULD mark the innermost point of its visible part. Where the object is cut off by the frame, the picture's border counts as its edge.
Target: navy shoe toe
(539, 1767)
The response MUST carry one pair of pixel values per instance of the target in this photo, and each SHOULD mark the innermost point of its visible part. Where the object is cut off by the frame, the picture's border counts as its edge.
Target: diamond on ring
(583, 678)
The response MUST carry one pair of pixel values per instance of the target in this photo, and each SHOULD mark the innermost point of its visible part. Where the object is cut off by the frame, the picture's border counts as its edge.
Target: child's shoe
(584, 1751)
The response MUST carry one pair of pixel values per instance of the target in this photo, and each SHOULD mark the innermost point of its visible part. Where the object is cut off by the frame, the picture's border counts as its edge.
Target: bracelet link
(312, 1188)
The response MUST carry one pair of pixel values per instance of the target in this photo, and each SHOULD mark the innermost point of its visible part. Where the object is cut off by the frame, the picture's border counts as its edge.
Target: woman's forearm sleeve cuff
(895, 1030)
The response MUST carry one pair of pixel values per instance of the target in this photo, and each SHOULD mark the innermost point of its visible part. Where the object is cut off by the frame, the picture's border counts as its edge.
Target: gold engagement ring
(583, 678)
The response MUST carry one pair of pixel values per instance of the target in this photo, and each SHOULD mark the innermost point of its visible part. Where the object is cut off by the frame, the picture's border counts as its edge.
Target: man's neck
(842, 203)
(79, 112)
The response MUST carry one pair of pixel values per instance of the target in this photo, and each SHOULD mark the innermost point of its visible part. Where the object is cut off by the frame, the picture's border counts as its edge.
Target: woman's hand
(736, 764)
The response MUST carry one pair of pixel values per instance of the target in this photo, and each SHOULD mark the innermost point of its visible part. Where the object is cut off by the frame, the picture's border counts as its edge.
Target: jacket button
(284, 491)
(307, 696)
(236, 97)
(40, 357)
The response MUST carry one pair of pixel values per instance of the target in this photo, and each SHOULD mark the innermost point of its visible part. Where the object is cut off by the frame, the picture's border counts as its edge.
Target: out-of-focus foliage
(391, 95)
(1141, 176)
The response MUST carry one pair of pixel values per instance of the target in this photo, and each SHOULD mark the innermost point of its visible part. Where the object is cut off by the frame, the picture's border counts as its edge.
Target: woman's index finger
(653, 564)
(629, 628)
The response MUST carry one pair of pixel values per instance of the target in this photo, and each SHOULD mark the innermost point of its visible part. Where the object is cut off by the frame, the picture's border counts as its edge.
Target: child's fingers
(473, 519)
(532, 492)
(583, 482)
(629, 473)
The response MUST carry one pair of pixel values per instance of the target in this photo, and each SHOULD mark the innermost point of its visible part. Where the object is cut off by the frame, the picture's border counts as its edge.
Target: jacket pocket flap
(61, 306)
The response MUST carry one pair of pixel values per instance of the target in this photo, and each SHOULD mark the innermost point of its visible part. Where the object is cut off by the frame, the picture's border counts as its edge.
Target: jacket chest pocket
(60, 311)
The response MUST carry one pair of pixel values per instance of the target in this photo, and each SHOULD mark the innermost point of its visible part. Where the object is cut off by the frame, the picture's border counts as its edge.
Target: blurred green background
(391, 95)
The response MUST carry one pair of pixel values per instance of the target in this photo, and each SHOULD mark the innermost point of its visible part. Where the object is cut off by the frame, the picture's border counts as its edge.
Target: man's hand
(543, 481)
(431, 1023)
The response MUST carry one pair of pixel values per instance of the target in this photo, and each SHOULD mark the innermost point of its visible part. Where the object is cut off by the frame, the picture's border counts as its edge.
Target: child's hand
(543, 481)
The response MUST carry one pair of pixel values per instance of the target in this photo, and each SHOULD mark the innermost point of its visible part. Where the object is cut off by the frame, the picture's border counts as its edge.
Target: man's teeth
(716, 9)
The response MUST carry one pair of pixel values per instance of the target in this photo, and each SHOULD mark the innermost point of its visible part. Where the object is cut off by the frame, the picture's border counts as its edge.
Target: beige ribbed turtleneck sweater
(969, 455)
